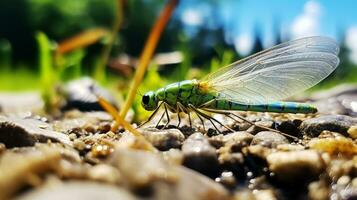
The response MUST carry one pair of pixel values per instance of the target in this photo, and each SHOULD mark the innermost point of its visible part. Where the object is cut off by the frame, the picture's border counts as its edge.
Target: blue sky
(296, 18)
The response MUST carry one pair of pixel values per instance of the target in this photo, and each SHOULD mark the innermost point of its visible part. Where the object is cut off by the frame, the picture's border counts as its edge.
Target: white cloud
(351, 42)
(307, 23)
(192, 17)
(243, 44)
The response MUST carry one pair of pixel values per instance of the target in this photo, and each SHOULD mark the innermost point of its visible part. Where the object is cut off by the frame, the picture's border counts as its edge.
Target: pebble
(296, 166)
(338, 123)
(256, 129)
(163, 139)
(165, 180)
(318, 190)
(18, 132)
(290, 127)
(237, 140)
(269, 139)
(352, 132)
(200, 155)
(266, 194)
(339, 145)
(227, 179)
(17, 168)
(105, 173)
(74, 190)
(233, 162)
(140, 169)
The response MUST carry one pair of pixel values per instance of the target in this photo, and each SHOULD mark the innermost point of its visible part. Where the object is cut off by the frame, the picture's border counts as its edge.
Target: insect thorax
(185, 92)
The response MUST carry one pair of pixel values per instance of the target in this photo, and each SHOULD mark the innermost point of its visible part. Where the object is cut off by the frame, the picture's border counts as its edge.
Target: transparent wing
(278, 72)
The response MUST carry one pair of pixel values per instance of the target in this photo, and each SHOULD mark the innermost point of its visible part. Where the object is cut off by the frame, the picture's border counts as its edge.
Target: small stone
(173, 156)
(74, 190)
(140, 169)
(344, 180)
(337, 123)
(289, 127)
(352, 132)
(266, 194)
(318, 190)
(237, 140)
(269, 139)
(79, 144)
(163, 139)
(18, 132)
(227, 179)
(17, 167)
(2, 148)
(105, 173)
(256, 129)
(255, 158)
(101, 150)
(354, 182)
(293, 167)
(72, 136)
(200, 155)
(335, 146)
(144, 171)
(233, 162)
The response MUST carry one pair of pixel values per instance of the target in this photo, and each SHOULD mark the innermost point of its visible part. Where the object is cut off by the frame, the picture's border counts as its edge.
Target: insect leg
(162, 116)
(178, 115)
(210, 119)
(151, 116)
(189, 119)
(198, 115)
(226, 113)
(167, 116)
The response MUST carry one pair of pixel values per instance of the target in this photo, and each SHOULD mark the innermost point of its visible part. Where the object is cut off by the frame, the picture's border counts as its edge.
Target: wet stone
(338, 123)
(296, 166)
(200, 155)
(164, 139)
(269, 139)
(18, 132)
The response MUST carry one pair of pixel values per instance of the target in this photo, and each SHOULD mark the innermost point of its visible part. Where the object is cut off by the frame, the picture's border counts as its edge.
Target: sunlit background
(201, 35)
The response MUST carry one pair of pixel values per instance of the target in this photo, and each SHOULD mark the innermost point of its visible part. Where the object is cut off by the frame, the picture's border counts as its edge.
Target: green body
(189, 92)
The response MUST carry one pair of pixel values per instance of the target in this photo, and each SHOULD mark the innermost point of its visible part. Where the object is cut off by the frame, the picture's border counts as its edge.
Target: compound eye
(146, 99)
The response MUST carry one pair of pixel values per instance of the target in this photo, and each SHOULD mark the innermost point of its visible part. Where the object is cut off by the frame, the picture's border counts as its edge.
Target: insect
(255, 83)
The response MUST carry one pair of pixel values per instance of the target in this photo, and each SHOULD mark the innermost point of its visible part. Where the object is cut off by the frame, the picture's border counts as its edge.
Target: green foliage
(47, 72)
(71, 65)
(227, 58)
(152, 81)
(5, 54)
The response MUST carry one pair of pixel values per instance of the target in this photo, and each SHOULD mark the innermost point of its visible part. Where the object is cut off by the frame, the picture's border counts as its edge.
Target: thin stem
(147, 53)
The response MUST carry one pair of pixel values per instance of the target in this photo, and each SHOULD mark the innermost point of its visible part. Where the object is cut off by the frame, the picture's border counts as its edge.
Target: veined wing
(276, 73)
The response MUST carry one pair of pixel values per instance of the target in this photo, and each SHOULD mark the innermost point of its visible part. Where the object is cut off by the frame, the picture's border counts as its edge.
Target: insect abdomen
(279, 107)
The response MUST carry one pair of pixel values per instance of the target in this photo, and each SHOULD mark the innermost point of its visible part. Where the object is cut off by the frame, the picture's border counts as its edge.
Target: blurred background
(68, 39)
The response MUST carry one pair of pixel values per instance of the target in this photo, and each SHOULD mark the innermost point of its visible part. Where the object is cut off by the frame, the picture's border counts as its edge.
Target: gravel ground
(77, 156)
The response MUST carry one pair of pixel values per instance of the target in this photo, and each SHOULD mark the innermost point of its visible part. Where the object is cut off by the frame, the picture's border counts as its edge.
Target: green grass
(21, 79)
